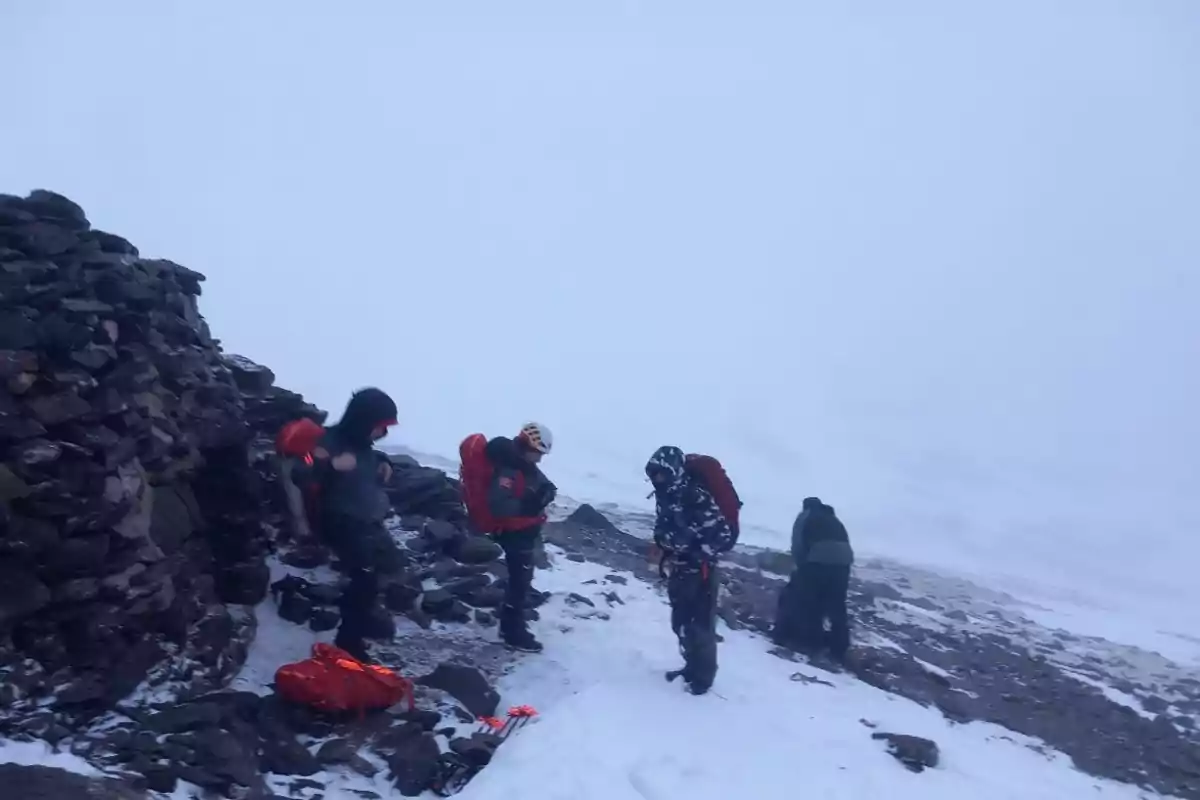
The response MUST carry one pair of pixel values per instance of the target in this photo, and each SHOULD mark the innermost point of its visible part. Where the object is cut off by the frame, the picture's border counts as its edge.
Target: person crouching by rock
(816, 592)
(350, 476)
(692, 532)
(518, 497)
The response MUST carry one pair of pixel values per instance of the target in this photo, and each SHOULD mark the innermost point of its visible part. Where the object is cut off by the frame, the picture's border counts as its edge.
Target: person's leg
(518, 556)
(784, 632)
(704, 638)
(809, 627)
(693, 621)
(836, 586)
(357, 605)
(349, 540)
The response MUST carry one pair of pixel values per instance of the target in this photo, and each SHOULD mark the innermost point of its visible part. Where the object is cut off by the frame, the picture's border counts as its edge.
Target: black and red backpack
(475, 477)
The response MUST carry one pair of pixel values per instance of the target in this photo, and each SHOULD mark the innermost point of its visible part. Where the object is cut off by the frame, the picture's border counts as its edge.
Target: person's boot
(536, 598)
(515, 633)
(522, 640)
(355, 646)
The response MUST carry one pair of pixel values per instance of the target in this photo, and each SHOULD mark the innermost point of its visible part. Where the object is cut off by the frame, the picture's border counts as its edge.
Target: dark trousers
(692, 590)
(518, 556)
(352, 541)
(816, 593)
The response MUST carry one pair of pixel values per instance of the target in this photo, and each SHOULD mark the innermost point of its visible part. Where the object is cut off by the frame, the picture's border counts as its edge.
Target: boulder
(50, 783)
(914, 752)
(477, 550)
(465, 684)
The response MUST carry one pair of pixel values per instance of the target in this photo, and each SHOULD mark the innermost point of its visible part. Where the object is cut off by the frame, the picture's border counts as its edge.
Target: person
(518, 497)
(351, 475)
(816, 591)
(692, 533)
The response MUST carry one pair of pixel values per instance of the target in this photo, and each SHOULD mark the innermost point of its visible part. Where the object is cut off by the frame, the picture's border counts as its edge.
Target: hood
(504, 452)
(367, 409)
(667, 459)
(815, 504)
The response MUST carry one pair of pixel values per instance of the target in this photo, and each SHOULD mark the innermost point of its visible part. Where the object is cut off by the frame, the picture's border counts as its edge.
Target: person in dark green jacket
(816, 592)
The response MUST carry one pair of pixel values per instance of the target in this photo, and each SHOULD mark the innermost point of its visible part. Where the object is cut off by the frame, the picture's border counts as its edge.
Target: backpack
(712, 476)
(333, 680)
(475, 477)
(298, 439)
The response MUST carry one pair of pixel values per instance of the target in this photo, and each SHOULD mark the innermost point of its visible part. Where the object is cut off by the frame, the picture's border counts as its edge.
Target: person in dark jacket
(353, 504)
(816, 592)
(518, 498)
(692, 534)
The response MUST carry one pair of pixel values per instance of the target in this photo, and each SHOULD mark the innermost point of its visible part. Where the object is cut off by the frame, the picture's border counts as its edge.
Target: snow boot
(521, 640)
(355, 647)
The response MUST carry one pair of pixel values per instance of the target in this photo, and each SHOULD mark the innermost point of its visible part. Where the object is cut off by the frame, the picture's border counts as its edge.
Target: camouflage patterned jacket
(688, 525)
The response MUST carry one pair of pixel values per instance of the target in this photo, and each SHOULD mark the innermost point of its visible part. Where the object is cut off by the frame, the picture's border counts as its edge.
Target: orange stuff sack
(333, 680)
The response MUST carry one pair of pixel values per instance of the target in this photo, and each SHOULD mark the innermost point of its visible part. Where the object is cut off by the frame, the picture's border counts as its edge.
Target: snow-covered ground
(611, 727)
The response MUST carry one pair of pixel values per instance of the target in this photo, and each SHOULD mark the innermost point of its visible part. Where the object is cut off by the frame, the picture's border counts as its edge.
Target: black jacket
(357, 493)
(519, 489)
(819, 537)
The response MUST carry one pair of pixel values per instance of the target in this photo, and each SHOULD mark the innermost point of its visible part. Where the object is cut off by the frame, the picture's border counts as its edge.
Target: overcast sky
(937, 262)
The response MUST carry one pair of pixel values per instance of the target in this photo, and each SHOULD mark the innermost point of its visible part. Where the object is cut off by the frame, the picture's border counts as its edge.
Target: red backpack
(333, 680)
(712, 476)
(475, 477)
(298, 439)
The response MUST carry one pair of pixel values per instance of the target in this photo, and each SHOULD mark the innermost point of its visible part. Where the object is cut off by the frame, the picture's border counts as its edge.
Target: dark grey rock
(437, 601)
(324, 619)
(914, 752)
(21, 595)
(414, 764)
(478, 550)
(465, 684)
(49, 783)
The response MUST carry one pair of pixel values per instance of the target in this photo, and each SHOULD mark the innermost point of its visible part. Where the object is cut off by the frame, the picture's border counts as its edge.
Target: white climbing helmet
(537, 436)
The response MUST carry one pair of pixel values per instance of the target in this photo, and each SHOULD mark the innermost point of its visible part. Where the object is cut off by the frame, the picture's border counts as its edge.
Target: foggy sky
(937, 262)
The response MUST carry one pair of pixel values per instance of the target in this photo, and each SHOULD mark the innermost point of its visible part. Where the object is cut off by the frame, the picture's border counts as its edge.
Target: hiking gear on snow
(333, 680)
(815, 593)
(494, 479)
(713, 477)
(688, 522)
(692, 591)
(455, 771)
(819, 537)
(537, 436)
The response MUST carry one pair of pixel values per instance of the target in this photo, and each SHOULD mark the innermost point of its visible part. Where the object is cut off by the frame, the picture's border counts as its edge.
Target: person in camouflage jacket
(692, 534)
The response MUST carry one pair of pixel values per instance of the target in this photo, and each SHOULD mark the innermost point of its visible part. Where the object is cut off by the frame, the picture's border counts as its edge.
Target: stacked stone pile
(119, 422)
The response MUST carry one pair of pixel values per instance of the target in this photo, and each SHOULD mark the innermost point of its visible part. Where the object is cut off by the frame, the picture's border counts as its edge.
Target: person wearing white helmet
(518, 497)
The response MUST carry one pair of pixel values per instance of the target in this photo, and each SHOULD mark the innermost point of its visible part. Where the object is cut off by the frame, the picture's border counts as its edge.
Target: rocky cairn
(129, 511)
(140, 499)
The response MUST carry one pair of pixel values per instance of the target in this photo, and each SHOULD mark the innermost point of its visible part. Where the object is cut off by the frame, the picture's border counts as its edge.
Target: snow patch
(39, 753)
